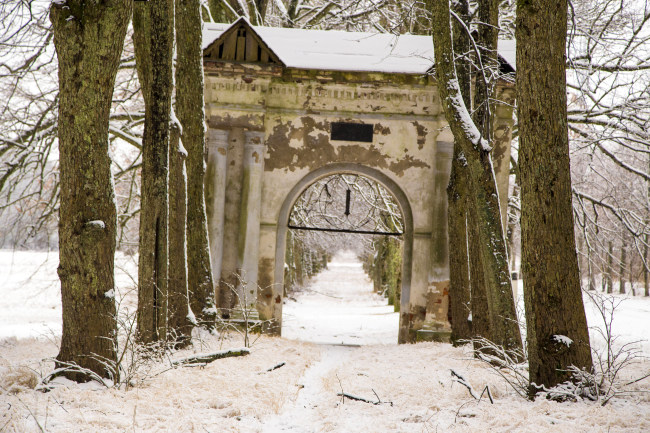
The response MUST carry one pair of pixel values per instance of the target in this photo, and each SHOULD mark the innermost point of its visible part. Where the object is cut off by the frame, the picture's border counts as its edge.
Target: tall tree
(553, 299)
(457, 196)
(180, 318)
(503, 324)
(190, 111)
(153, 35)
(88, 38)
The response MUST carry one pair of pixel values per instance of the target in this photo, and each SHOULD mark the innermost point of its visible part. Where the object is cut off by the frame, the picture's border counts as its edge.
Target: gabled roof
(240, 42)
(344, 51)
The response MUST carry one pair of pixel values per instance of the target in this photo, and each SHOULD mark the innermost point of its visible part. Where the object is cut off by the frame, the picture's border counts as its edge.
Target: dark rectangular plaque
(352, 132)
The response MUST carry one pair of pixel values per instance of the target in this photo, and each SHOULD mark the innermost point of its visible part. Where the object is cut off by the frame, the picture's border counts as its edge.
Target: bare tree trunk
(480, 310)
(503, 316)
(590, 265)
(190, 111)
(646, 279)
(552, 292)
(180, 317)
(610, 268)
(88, 38)
(646, 239)
(459, 283)
(621, 269)
(153, 24)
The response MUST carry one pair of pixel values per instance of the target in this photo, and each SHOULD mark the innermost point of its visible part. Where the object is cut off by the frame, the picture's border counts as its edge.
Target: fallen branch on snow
(206, 358)
(345, 395)
(460, 379)
(275, 367)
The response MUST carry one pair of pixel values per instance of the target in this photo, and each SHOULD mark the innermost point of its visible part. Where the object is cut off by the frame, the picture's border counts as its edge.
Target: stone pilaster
(249, 219)
(215, 195)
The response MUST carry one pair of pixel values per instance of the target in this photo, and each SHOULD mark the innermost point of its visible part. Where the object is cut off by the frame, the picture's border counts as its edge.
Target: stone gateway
(286, 107)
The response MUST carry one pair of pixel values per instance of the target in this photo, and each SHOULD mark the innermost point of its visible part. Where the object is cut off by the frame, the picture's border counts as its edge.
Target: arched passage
(391, 186)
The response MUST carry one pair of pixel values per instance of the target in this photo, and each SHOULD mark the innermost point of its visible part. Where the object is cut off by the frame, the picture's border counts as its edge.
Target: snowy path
(338, 310)
(300, 416)
(339, 307)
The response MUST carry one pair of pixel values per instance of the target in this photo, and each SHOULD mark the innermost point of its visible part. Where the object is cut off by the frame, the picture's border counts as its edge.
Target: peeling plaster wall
(294, 109)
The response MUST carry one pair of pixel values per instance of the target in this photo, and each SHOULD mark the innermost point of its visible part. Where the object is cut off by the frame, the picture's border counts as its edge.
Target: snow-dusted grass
(238, 395)
(218, 398)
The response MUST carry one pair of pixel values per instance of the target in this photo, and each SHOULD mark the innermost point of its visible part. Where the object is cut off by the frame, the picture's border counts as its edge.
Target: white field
(238, 395)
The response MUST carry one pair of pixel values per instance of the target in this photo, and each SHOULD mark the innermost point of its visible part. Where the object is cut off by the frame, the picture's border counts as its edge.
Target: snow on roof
(508, 50)
(345, 51)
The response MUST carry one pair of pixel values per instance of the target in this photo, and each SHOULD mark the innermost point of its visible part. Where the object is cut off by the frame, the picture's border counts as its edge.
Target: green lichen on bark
(153, 41)
(88, 39)
(552, 294)
(190, 112)
(179, 320)
(503, 317)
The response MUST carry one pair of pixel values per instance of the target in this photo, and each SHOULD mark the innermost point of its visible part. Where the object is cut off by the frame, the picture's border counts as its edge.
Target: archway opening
(343, 262)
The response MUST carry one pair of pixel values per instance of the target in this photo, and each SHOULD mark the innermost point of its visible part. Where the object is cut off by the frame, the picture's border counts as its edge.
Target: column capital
(254, 138)
(217, 138)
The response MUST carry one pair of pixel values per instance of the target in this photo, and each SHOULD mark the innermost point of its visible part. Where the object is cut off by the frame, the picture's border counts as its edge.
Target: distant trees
(88, 38)
(609, 116)
(557, 334)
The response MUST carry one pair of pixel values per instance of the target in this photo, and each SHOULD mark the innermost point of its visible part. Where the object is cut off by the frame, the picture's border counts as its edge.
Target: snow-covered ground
(239, 395)
(340, 307)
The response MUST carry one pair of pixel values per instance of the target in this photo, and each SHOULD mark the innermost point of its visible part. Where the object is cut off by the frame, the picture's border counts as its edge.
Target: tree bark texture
(503, 316)
(457, 197)
(486, 76)
(179, 315)
(190, 111)
(459, 285)
(478, 289)
(88, 38)
(153, 42)
(552, 291)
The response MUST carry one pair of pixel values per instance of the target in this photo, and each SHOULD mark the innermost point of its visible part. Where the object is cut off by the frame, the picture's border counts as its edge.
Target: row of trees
(553, 299)
(89, 39)
(607, 119)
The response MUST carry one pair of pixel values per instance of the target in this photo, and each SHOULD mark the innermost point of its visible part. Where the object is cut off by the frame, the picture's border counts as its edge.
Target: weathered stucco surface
(294, 110)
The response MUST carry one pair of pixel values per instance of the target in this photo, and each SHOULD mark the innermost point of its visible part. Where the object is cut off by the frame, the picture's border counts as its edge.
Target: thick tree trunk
(459, 288)
(180, 318)
(503, 316)
(552, 291)
(88, 39)
(153, 41)
(480, 309)
(486, 75)
(459, 283)
(190, 111)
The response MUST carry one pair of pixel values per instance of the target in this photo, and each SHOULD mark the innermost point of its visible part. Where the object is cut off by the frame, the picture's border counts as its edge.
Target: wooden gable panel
(240, 43)
(251, 48)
